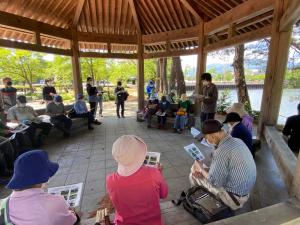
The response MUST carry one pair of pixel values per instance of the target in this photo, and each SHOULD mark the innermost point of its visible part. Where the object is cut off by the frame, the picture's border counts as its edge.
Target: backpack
(203, 205)
(125, 95)
(4, 214)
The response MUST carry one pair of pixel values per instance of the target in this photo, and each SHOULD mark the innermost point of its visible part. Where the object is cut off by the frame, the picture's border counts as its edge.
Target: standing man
(292, 131)
(92, 95)
(121, 96)
(208, 98)
(48, 91)
(8, 94)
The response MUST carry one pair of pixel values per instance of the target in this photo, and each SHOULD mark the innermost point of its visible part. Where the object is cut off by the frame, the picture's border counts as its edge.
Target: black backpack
(203, 205)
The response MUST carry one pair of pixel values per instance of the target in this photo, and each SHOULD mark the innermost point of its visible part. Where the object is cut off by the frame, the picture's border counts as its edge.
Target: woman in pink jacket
(135, 190)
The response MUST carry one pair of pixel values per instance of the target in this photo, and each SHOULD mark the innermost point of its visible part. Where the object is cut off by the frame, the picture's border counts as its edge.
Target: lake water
(289, 101)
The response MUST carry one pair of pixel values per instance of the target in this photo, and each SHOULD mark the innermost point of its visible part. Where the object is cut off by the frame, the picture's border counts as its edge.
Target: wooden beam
(38, 39)
(240, 39)
(135, 15)
(188, 6)
(201, 67)
(185, 33)
(78, 11)
(242, 12)
(275, 72)
(20, 22)
(291, 16)
(77, 78)
(171, 53)
(33, 47)
(118, 39)
(141, 76)
(108, 55)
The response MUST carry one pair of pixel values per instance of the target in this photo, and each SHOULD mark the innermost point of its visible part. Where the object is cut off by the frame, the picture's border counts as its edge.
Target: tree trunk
(239, 75)
(163, 75)
(177, 70)
(157, 79)
(172, 82)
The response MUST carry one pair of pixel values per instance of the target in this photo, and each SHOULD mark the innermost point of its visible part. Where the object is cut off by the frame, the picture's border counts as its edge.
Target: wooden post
(201, 67)
(277, 61)
(140, 69)
(77, 80)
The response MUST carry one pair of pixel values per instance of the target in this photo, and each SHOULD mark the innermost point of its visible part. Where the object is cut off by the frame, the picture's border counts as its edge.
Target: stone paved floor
(86, 157)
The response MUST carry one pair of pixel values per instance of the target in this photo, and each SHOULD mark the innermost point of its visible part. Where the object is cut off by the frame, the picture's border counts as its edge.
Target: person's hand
(197, 169)
(51, 94)
(160, 167)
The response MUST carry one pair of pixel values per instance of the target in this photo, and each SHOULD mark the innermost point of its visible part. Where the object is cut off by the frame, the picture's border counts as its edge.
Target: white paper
(71, 193)
(16, 129)
(152, 159)
(194, 152)
(195, 132)
(159, 113)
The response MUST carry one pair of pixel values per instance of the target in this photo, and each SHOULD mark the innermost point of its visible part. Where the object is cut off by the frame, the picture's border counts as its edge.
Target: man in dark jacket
(120, 94)
(162, 112)
(8, 94)
(292, 131)
(92, 95)
(238, 129)
(48, 91)
(208, 98)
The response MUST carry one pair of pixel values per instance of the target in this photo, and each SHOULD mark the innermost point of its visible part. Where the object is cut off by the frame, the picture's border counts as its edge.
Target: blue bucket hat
(30, 168)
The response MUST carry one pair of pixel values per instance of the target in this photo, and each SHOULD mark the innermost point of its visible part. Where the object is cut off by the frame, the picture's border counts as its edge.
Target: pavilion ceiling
(112, 26)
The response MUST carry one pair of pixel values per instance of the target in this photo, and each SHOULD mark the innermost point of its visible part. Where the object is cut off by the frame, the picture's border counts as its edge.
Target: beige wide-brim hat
(237, 108)
(129, 151)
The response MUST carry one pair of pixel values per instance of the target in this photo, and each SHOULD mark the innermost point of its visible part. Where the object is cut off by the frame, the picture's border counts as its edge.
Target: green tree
(22, 66)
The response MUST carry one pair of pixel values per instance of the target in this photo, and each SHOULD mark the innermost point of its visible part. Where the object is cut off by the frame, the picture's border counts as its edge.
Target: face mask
(211, 144)
(22, 104)
(9, 83)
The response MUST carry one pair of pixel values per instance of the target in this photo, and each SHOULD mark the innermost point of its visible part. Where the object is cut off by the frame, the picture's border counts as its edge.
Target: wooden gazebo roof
(111, 28)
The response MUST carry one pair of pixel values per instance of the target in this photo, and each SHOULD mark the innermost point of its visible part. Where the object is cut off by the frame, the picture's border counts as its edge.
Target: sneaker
(123, 116)
(149, 126)
(96, 122)
(174, 130)
(118, 116)
(179, 131)
(66, 135)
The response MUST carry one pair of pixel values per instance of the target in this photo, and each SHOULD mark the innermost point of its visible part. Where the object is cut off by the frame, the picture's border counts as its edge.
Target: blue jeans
(180, 122)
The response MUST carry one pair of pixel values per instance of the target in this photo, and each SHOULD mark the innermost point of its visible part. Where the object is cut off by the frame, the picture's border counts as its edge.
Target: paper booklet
(195, 132)
(16, 128)
(152, 159)
(159, 113)
(194, 152)
(71, 193)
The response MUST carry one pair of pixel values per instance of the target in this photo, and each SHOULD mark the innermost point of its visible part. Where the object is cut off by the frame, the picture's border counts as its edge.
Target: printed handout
(194, 152)
(195, 132)
(16, 128)
(71, 193)
(152, 159)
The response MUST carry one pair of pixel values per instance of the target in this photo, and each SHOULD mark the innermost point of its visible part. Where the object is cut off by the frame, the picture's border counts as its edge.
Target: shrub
(108, 97)
(224, 102)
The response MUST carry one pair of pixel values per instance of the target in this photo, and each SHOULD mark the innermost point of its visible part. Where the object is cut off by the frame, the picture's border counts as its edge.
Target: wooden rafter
(121, 39)
(191, 10)
(135, 15)
(78, 11)
(291, 15)
(108, 55)
(239, 39)
(171, 53)
(20, 22)
(242, 12)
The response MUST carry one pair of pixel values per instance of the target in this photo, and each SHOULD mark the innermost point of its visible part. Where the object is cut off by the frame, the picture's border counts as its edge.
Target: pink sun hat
(129, 151)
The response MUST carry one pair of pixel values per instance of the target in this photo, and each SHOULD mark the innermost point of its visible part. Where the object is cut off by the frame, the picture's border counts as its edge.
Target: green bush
(224, 102)
(108, 97)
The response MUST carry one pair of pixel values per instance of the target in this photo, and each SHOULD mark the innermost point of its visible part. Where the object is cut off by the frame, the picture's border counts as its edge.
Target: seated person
(171, 97)
(162, 112)
(239, 108)
(81, 111)
(292, 131)
(151, 109)
(29, 203)
(21, 113)
(135, 190)
(56, 111)
(184, 107)
(238, 130)
(7, 157)
(232, 173)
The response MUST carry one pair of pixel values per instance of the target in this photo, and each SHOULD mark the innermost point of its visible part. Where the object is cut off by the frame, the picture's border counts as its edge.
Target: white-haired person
(135, 190)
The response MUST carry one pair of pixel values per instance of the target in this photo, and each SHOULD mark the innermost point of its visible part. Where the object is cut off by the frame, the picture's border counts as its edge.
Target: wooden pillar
(277, 61)
(201, 67)
(140, 78)
(77, 79)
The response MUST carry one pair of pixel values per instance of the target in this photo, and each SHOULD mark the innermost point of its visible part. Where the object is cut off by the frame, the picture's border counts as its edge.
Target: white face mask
(211, 144)
(22, 104)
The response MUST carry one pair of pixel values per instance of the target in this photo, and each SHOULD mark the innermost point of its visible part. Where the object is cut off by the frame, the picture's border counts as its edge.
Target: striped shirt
(233, 167)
